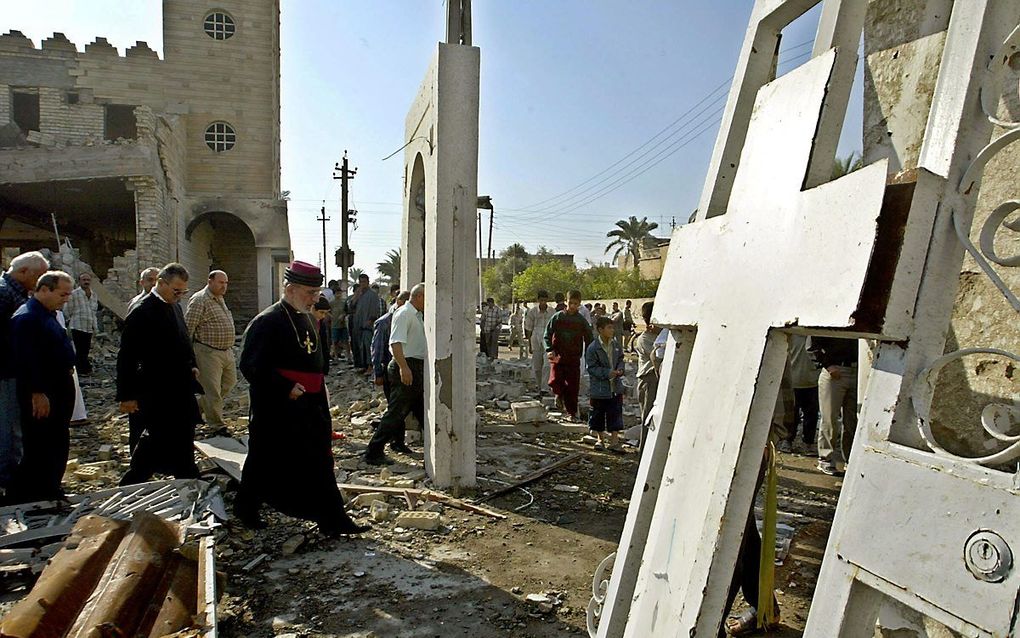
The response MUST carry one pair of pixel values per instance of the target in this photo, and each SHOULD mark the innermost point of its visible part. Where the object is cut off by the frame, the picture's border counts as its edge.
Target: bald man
(211, 328)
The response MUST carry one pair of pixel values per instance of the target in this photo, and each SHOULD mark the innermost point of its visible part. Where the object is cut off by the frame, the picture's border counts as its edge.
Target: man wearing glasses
(157, 380)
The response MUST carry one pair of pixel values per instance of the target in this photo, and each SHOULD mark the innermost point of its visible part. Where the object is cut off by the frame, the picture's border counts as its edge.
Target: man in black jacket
(157, 379)
(43, 364)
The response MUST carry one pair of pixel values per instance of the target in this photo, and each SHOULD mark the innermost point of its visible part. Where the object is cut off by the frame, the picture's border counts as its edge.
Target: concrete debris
(292, 544)
(528, 412)
(429, 521)
(379, 511)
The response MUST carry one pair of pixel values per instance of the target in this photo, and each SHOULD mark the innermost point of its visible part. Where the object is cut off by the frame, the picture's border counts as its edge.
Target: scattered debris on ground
(547, 510)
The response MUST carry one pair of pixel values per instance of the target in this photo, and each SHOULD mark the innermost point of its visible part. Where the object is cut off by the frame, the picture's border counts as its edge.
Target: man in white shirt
(147, 281)
(535, 321)
(406, 373)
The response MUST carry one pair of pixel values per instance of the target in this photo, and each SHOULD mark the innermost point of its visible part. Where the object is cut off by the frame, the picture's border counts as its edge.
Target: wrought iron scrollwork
(599, 589)
(985, 251)
(997, 419)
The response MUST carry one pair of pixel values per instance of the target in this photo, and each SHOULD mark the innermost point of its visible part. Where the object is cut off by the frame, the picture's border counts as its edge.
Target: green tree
(498, 278)
(389, 268)
(629, 235)
(844, 165)
(551, 276)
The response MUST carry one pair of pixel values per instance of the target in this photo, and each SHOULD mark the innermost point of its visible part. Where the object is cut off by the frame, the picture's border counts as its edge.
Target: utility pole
(344, 256)
(323, 219)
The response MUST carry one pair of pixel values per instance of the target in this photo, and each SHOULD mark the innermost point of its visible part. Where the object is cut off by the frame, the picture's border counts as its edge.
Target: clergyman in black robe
(157, 382)
(290, 456)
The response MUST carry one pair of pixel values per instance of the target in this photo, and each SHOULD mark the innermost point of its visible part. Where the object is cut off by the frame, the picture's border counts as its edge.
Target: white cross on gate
(781, 256)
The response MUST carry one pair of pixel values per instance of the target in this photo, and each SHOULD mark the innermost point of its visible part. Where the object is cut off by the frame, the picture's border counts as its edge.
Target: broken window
(26, 111)
(120, 122)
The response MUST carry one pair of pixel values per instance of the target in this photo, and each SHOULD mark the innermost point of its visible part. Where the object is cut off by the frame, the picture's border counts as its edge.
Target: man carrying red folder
(290, 456)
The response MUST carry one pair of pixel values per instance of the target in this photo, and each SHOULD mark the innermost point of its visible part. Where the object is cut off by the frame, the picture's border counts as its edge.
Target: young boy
(604, 358)
(566, 336)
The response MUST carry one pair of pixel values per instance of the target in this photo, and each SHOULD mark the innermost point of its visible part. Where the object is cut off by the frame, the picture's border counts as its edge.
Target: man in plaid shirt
(80, 313)
(492, 320)
(211, 328)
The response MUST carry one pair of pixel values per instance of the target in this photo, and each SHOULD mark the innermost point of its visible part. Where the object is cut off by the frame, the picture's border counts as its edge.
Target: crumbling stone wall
(904, 41)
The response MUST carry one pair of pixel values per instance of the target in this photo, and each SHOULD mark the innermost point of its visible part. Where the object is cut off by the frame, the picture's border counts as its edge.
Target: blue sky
(569, 87)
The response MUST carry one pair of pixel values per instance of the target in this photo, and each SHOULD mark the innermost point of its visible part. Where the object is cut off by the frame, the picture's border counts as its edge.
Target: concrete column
(264, 266)
(443, 121)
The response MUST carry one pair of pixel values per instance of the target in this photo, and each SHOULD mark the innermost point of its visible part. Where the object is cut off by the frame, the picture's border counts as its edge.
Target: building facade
(139, 161)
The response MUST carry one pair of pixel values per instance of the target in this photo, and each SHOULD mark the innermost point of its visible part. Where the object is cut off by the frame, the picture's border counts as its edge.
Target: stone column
(442, 126)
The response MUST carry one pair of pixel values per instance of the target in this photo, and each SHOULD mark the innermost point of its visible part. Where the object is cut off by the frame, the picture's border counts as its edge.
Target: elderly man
(45, 364)
(81, 319)
(211, 328)
(407, 376)
(15, 285)
(290, 456)
(535, 321)
(146, 281)
(157, 380)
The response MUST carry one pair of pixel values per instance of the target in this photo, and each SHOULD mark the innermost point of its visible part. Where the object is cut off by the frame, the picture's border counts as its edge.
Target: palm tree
(389, 268)
(353, 273)
(844, 165)
(629, 235)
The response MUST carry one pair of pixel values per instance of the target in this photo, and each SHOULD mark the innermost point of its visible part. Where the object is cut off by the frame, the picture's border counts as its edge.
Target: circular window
(219, 26)
(220, 136)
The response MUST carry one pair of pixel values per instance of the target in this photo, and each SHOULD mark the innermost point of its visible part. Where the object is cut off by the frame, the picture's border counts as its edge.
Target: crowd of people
(176, 364)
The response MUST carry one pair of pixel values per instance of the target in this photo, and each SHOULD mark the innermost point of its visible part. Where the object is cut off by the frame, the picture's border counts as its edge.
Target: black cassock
(154, 368)
(290, 455)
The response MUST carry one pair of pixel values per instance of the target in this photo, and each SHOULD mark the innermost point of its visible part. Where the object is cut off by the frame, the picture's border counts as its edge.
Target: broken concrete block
(385, 474)
(528, 412)
(72, 464)
(366, 499)
(88, 473)
(401, 483)
(503, 405)
(380, 511)
(292, 544)
(428, 521)
(105, 452)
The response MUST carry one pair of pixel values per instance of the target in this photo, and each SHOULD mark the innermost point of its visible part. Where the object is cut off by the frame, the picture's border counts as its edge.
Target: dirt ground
(472, 577)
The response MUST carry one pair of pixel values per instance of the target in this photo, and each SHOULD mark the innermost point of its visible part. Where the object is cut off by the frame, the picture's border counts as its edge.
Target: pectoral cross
(308, 343)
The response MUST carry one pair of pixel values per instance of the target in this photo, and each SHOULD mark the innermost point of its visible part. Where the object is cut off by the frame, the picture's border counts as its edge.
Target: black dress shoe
(249, 517)
(341, 528)
(382, 459)
(402, 448)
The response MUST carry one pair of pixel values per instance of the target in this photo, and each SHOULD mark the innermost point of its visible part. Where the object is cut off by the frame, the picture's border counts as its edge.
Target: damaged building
(138, 161)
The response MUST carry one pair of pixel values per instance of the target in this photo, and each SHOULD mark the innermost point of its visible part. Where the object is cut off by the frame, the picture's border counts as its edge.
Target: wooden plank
(548, 427)
(534, 476)
(428, 495)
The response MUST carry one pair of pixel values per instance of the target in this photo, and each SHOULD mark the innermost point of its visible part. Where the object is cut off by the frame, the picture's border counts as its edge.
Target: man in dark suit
(157, 379)
(43, 363)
